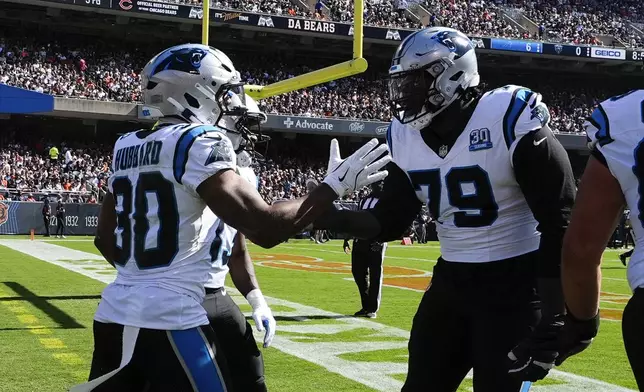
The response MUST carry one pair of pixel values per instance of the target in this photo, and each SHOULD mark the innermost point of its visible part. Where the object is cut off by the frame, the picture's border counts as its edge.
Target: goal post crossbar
(356, 65)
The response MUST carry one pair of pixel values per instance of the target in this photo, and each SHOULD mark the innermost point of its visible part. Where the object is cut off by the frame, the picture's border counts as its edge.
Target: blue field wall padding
(15, 100)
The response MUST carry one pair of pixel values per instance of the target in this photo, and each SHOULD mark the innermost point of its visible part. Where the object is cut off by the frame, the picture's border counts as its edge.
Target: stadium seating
(571, 21)
(105, 75)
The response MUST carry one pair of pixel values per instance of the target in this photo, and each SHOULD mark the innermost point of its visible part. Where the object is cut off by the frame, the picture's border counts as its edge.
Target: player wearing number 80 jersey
(500, 187)
(614, 178)
(172, 187)
(163, 235)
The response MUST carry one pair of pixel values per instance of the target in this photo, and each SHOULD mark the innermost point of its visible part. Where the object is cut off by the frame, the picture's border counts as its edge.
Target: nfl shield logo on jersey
(443, 151)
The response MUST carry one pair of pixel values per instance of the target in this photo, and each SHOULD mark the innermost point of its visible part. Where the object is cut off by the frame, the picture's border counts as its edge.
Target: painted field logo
(4, 213)
(401, 277)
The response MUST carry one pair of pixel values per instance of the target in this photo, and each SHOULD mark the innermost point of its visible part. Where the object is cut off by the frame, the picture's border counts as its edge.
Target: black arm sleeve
(395, 211)
(398, 205)
(542, 169)
(599, 156)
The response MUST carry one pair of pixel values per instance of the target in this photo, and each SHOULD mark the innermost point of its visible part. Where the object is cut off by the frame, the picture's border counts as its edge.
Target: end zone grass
(46, 317)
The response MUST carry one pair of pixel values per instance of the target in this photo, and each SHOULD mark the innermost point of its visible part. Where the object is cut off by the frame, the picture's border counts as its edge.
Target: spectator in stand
(53, 153)
(318, 9)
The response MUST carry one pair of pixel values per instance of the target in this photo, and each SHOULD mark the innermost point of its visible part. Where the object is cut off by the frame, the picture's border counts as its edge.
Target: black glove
(532, 359)
(576, 336)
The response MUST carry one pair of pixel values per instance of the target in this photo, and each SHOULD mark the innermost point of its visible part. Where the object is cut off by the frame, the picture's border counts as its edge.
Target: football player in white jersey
(151, 331)
(235, 336)
(500, 188)
(614, 178)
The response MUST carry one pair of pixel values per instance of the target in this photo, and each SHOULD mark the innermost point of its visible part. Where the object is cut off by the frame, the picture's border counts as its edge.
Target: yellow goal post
(356, 65)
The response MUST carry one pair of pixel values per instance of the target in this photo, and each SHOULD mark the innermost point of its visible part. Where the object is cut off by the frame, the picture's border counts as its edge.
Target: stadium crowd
(383, 13)
(583, 21)
(571, 21)
(472, 17)
(77, 175)
(88, 73)
(31, 169)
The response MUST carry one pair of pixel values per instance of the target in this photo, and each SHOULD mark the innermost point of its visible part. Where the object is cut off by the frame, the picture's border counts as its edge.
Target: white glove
(358, 170)
(262, 315)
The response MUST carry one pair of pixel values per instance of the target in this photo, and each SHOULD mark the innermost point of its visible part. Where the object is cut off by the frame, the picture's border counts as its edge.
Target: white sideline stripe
(376, 375)
(339, 251)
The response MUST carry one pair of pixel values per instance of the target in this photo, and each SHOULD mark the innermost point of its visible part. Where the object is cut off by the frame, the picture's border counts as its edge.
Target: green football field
(49, 291)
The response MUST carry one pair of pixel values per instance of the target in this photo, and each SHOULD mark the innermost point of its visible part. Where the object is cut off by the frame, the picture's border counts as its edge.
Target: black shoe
(360, 313)
(622, 258)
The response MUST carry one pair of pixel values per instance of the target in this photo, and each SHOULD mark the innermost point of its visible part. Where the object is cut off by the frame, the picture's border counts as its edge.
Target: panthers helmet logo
(454, 42)
(185, 59)
(4, 213)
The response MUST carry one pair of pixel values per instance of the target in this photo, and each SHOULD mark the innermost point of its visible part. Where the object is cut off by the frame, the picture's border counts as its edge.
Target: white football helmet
(429, 71)
(193, 83)
(240, 126)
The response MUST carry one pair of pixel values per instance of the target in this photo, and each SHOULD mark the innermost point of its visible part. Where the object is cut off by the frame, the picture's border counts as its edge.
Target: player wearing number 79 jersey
(151, 331)
(500, 187)
(614, 178)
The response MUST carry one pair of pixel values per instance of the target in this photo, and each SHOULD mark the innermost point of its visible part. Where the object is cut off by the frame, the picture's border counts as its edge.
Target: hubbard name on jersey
(166, 234)
(485, 192)
(616, 132)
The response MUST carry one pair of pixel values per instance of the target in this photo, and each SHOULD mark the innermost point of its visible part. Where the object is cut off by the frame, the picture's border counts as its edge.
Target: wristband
(256, 299)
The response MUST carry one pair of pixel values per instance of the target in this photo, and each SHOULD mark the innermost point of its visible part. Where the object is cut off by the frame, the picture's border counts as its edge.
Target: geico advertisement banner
(608, 53)
(21, 217)
(327, 126)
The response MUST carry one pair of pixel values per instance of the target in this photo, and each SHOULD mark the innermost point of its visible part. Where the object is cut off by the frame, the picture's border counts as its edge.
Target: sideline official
(60, 220)
(366, 262)
(46, 214)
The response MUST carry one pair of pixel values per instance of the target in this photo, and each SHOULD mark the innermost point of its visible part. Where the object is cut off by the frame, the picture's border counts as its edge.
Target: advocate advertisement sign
(327, 126)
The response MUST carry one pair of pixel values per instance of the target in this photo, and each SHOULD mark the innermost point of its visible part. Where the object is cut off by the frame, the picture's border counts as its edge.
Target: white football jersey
(480, 212)
(222, 247)
(165, 231)
(616, 130)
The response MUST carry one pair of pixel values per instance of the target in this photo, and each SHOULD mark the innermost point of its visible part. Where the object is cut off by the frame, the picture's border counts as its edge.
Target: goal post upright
(356, 65)
(205, 23)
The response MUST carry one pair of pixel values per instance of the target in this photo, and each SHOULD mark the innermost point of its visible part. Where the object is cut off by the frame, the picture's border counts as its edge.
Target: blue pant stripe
(196, 355)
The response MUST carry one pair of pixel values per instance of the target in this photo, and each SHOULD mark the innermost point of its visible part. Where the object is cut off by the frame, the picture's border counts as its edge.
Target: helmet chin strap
(428, 118)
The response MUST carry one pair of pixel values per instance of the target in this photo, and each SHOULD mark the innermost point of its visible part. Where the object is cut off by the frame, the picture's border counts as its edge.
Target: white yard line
(376, 375)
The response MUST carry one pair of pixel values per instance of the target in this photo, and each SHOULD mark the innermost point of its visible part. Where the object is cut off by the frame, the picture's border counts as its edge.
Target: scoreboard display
(564, 50)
